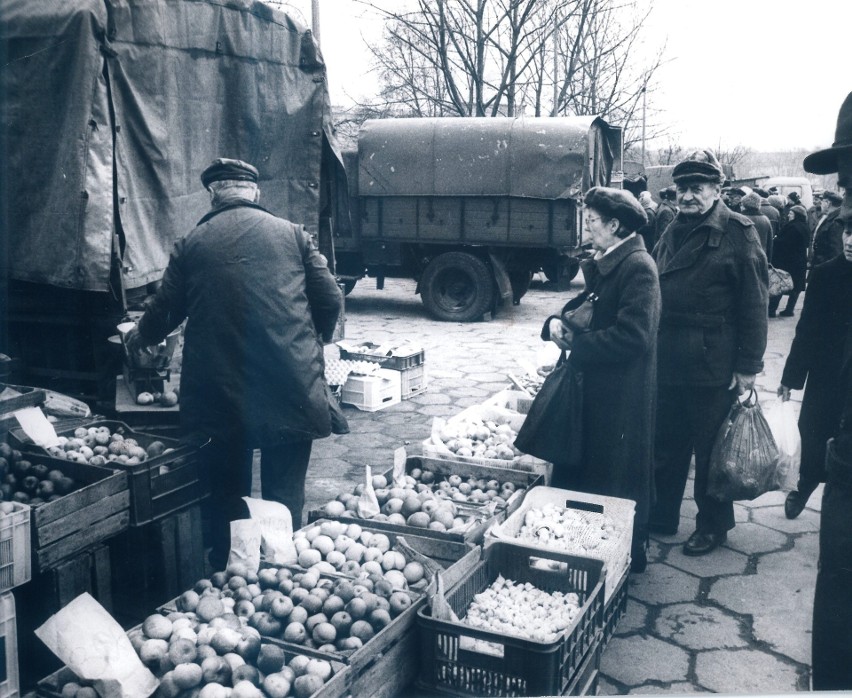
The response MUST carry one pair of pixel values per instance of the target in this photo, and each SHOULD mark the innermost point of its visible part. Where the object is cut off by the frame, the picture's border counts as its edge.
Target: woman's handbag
(780, 282)
(579, 319)
(744, 459)
(553, 429)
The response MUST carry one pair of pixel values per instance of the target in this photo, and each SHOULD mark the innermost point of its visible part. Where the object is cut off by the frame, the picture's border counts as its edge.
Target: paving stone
(783, 620)
(773, 517)
(745, 671)
(721, 561)
(431, 398)
(661, 584)
(675, 688)
(770, 499)
(699, 627)
(633, 661)
(688, 508)
(752, 538)
(605, 688)
(741, 513)
(635, 618)
(434, 411)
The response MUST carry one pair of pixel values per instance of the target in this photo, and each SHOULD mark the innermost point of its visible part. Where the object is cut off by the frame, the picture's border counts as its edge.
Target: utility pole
(644, 105)
(315, 20)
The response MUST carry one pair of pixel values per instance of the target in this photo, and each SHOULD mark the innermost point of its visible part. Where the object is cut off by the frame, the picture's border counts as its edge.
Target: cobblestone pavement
(735, 621)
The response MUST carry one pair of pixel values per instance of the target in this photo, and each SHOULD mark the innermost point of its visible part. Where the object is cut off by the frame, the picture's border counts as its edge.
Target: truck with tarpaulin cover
(109, 110)
(471, 207)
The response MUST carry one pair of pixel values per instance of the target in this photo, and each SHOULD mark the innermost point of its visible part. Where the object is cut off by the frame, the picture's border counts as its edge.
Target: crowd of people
(679, 334)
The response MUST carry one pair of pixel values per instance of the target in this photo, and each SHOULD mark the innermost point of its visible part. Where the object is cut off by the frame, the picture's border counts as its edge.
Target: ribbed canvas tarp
(545, 158)
(110, 109)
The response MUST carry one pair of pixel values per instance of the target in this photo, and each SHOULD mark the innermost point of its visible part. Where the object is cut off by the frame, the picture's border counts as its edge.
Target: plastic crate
(615, 608)
(398, 363)
(413, 381)
(512, 665)
(615, 551)
(159, 486)
(9, 670)
(372, 393)
(15, 560)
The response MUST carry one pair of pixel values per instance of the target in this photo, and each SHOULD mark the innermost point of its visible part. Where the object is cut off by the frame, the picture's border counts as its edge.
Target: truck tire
(551, 270)
(348, 285)
(457, 287)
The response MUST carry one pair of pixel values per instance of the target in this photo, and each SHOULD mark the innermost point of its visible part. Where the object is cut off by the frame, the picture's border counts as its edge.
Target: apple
(215, 670)
(249, 645)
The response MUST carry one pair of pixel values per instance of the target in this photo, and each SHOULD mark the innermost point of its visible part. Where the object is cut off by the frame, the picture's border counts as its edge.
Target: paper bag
(245, 545)
(87, 639)
(276, 530)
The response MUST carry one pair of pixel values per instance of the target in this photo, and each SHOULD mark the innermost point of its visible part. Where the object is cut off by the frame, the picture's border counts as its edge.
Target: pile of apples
(333, 546)
(304, 608)
(570, 529)
(513, 608)
(26, 482)
(100, 446)
(479, 438)
(421, 500)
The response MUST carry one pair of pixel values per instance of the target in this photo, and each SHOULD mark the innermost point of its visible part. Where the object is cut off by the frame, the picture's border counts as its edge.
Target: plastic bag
(781, 417)
(744, 457)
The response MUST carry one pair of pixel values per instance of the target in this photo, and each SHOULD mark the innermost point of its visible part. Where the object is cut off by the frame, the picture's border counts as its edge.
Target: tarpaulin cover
(545, 158)
(110, 109)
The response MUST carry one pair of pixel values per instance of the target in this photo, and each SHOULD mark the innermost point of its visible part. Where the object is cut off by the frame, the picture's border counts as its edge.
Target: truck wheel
(457, 286)
(348, 285)
(551, 270)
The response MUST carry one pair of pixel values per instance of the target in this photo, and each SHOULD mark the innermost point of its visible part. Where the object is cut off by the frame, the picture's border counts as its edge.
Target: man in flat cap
(820, 360)
(828, 234)
(259, 302)
(713, 281)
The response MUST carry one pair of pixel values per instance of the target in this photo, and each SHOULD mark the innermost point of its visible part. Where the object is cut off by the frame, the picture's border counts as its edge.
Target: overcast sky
(764, 74)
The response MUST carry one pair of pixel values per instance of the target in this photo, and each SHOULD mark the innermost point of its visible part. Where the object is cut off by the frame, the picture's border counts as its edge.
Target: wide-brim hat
(825, 161)
(222, 169)
(618, 204)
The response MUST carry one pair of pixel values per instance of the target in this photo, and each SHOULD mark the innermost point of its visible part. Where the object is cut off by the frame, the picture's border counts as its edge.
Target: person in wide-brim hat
(826, 161)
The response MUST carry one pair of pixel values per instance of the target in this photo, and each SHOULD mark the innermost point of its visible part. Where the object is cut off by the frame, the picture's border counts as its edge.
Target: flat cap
(700, 166)
(832, 197)
(226, 168)
(618, 204)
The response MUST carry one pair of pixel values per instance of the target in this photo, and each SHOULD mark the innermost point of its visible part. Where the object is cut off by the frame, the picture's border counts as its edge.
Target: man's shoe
(771, 313)
(786, 313)
(701, 543)
(794, 504)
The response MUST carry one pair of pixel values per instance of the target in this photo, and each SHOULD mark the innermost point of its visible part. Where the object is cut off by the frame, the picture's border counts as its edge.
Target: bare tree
(731, 155)
(511, 57)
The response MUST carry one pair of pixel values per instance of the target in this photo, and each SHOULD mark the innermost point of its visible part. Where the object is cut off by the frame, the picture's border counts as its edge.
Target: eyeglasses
(592, 219)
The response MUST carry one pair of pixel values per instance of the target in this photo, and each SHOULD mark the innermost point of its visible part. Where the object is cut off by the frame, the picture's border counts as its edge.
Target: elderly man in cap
(713, 281)
(828, 234)
(259, 302)
(826, 361)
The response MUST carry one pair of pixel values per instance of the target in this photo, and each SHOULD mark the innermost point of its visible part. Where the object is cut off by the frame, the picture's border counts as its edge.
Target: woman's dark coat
(817, 355)
(764, 231)
(790, 251)
(618, 358)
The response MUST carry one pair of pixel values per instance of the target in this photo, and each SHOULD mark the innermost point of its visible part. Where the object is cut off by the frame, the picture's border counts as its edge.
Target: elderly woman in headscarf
(618, 358)
(790, 253)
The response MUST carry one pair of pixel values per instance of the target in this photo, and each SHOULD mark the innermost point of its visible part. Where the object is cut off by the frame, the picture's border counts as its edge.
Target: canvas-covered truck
(109, 110)
(471, 207)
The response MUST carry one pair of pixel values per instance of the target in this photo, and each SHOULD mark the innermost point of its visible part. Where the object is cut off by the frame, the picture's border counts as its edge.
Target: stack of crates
(411, 367)
(15, 570)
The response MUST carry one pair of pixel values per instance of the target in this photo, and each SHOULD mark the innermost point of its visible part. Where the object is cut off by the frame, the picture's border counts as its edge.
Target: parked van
(800, 185)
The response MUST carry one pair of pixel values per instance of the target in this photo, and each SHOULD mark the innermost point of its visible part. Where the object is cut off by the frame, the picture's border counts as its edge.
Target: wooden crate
(157, 562)
(29, 397)
(475, 534)
(47, 593)
(81, 519)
